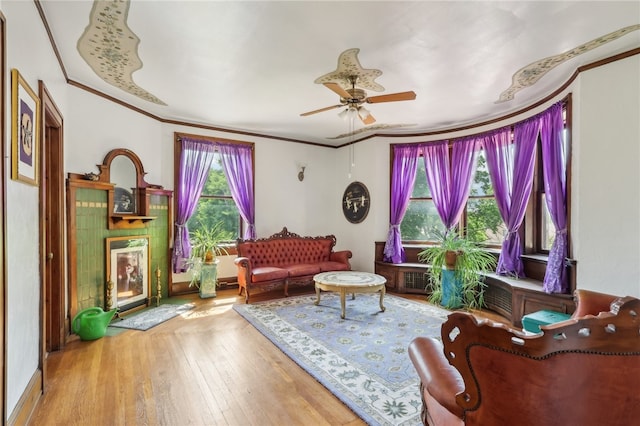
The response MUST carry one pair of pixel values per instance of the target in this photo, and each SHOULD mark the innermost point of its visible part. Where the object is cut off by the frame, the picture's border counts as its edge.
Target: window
(421, 221)
(482, 220)
(545, 230)
(217, 200)
(216, 204)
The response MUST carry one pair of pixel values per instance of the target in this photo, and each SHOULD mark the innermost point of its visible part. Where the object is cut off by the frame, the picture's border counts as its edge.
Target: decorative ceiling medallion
(371, 129)
(533, 72)
(348, 65)
(111, 48)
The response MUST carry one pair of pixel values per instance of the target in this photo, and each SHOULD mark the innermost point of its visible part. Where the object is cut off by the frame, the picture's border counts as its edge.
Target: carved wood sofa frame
(286, 258)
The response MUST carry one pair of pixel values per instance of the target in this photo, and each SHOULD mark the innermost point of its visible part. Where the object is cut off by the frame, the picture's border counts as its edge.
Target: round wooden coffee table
(353, 282)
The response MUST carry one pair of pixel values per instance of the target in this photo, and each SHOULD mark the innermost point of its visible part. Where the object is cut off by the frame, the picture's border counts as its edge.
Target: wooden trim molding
(27, 402)
(3, 222)
(246, 133)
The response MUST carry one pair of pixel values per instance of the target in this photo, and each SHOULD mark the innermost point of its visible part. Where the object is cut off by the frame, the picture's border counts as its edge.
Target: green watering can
(91, 323)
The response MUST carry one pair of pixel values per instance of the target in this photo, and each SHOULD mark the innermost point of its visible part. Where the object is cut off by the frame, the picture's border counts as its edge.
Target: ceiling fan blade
(392, 97)
(338, 89)
(304, 114)
(368, 119)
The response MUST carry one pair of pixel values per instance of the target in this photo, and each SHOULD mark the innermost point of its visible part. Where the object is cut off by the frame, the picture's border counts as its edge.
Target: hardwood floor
(213, 368)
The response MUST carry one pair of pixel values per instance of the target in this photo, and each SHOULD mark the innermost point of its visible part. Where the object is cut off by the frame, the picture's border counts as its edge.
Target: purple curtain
(403, 176)
(238, 168)
(450, 182)
(511, 170)
(553, 159)
(195, 162)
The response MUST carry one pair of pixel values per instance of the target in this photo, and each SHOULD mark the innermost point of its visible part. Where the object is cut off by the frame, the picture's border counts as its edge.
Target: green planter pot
(451, 290)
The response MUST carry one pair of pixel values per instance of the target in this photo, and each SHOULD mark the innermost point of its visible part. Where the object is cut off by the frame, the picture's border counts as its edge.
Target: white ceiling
(251, 66)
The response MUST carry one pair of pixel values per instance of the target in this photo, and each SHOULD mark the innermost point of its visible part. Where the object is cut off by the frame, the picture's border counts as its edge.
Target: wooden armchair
(582, 371)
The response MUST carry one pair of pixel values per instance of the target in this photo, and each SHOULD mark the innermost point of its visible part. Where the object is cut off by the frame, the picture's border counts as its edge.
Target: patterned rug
(362, 359)
(151, 317)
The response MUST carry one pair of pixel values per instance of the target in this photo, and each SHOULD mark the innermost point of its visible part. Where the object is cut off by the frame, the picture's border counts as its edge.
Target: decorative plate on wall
(355, 202)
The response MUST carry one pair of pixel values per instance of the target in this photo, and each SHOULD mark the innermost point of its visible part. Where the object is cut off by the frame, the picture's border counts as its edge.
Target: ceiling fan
(353, 99)
(350, 74)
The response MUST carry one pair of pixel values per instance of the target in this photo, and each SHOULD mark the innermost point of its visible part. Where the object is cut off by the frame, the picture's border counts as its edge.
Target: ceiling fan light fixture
(348, 113)
(364, 113)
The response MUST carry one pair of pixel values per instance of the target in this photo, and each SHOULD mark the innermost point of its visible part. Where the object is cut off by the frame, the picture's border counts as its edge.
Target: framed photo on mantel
(128, 269)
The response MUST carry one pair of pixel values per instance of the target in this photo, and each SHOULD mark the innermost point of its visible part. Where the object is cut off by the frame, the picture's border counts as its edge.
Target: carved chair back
(580, 371)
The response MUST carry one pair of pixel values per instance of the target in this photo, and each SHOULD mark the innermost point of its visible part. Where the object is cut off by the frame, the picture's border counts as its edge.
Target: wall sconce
(301, 172)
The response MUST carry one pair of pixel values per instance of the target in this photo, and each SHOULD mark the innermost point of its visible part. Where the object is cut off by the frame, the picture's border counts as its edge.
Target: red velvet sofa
(286, 258)
(581, 371)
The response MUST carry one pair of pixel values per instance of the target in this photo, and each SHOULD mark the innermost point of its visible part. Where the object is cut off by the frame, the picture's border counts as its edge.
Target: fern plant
(471, 260)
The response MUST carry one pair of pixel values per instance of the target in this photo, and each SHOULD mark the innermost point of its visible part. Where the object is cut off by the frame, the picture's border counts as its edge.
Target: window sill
(540, 258)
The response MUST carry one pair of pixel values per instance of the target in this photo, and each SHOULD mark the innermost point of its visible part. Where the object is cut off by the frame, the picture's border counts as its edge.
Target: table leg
(343, 294)
(317, 296)
(382, 291)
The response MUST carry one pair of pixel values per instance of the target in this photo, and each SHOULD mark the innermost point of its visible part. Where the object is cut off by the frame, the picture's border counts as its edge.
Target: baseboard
(27, 402)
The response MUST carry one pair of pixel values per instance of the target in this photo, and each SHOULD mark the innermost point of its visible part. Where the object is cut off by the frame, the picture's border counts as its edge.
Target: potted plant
(457, 264)
(206, 246)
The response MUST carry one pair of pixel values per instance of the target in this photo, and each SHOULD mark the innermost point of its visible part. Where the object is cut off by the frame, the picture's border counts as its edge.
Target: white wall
(94, 126)
(280, 198)
(371, 167)
(30, 53)
(606, 179)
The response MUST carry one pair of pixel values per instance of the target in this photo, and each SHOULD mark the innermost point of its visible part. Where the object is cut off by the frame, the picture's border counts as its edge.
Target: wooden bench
(510, 297)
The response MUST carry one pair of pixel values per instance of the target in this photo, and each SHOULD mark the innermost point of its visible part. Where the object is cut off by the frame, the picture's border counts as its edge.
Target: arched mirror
(125, 178)
(123, 168)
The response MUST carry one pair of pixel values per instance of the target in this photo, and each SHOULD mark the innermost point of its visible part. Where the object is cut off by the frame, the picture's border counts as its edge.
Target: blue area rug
(362, 359)
(151, 317)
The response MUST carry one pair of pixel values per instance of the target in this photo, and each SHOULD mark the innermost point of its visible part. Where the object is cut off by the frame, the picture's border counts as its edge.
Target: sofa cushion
(268, 273)
(302, 270)
(333, 266)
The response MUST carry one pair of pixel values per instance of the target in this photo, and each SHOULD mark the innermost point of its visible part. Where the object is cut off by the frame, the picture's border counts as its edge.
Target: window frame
(176, 160)
(532, 224)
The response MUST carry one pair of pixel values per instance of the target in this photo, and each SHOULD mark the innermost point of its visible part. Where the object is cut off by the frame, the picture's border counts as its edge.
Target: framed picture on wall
(25, 130)
(128, 269)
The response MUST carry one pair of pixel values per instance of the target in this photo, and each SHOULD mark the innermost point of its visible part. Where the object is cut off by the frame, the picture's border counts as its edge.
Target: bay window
(516, 153)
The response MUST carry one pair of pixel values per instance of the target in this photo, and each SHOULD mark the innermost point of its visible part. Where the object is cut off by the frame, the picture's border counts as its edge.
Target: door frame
(3, 221)
(54, 324)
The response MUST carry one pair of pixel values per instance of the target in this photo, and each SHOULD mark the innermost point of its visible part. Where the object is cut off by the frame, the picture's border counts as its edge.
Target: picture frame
(356, 202)
(124, 201)
(128, 268)
(25, 130)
